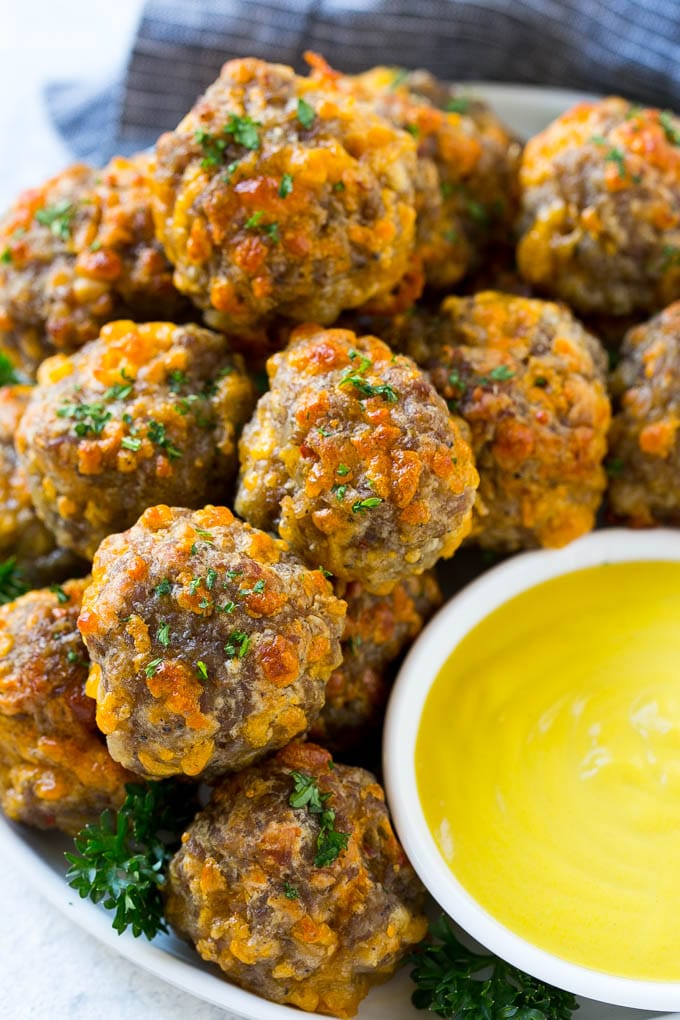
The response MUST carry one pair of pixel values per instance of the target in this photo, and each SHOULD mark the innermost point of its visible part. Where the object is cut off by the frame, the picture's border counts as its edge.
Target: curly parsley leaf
(8, 373)
(120, 860)
(57, 218)
(458, 984)
(12, 583)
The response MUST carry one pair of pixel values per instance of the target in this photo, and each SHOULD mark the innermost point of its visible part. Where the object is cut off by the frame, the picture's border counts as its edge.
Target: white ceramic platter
(526, 109)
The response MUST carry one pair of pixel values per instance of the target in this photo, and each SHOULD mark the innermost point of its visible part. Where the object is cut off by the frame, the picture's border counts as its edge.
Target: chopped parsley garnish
(120, 860)
(324, 432)
(329, 843)
(128, 443)
(90, 419)
(238, 644)
(207, 536)
(257, 588)
(340, 492)
(156, 432)
(454, 982)
(120, 391)
(501, 373)
(457, 381)
(151, 667)
(451, 236)
(477, 211)
(541, 381)
(202, 670)
(243, 131)
(305, 113)
(254, 222)
(326, 573)
(399, 78)
(57, 218)
(6, 256)
(366, 504)
(614, 467)
(163, 634)
(286, 186)
(614, 155)
(339, 186)
(210, 579)
(669, 128)
(355, 377)
(290, 892)
(342, 470)
(176, 380)
(458, 104)
(12, 583)
(670, 256)
(194, 585)
(412, 129)
(231, 574)
(164, 588)
(62, 597)
(75, 659)
(228, 607)
(8, 373)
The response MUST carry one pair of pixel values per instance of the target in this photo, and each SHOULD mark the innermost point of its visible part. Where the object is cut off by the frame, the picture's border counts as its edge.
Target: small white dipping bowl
(427, 656)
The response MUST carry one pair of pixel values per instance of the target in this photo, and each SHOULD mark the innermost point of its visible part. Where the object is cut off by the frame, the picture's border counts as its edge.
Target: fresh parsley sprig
(458, 984)
(12, 583)
(120, 861)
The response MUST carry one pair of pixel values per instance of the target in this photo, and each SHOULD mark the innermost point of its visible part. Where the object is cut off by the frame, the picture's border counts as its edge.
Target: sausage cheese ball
(377, 628)
(529, 381)
(356, 460)
(55, 770)
(293, 882)
(466, 187)
(644, 464)
(278, 194)
(76, 253)
(211, 644)
(146, 414)
(21, 532)
(601, 208)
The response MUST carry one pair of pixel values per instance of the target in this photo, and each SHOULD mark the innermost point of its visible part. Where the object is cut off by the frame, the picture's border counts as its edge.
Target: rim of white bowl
(456, 618)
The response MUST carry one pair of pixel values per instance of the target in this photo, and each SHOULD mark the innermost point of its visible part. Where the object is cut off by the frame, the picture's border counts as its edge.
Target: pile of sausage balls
(252, 557)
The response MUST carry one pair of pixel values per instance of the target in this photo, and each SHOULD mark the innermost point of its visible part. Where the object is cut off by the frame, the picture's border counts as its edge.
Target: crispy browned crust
(349, 924)
(93, 258)
(601, 208)
(644, 487)
(175, 397)
(55, 771)
(163, 712)
(318, 448)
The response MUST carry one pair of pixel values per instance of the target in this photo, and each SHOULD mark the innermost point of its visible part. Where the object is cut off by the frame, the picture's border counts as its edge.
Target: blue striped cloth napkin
(629, 47)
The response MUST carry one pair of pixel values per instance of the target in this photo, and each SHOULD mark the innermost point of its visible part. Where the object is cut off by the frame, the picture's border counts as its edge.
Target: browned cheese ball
(377, 629)
(75, 253)
(601, 208)
(466, 184)
(280, 195)
(644, 464)
(55, 771)
(144, 415)
(529, 382)
(211, 644)
(255, 891)
(354, 457)
(22, 534)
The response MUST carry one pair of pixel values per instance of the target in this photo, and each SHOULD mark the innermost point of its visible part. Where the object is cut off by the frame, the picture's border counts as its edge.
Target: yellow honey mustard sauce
(548, 767)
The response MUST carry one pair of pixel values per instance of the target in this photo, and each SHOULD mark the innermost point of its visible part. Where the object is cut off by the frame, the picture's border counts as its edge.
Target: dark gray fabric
(609, 46)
